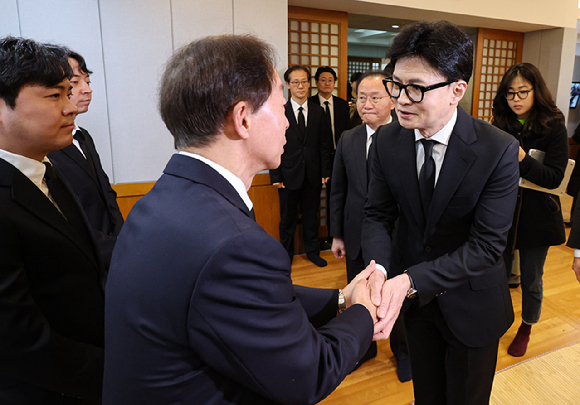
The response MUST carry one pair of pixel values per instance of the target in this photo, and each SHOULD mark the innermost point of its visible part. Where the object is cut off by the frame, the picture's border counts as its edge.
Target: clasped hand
(383, 298)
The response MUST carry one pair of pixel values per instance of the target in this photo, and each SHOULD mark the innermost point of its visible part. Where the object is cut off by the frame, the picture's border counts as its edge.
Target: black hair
(543, 112)
(354, 77)
(204, 80)
(441, 44)
(81, 61)
(324, 69)
(294, 68)
(27, 62)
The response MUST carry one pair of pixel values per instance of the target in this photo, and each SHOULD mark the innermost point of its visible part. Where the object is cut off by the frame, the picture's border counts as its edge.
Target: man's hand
(338, 247)
(325, 180)
(361, 294)
(278, 185)
(576, 267)
(363, 275)
(393, 294)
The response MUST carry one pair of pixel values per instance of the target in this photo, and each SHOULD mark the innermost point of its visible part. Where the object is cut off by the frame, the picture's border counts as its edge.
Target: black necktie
(64, 201)
(301, 121)
(427, 175)
(327, 110)
(369, 160)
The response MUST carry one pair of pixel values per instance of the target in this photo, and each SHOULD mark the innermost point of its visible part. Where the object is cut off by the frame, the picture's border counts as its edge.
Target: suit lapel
(459, 157)
(360, 155)
(73, 153)
(28, 196)
(406, 164)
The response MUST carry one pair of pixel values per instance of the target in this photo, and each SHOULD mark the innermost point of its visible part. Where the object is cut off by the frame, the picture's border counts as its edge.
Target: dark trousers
(308, 198)
(445, 371)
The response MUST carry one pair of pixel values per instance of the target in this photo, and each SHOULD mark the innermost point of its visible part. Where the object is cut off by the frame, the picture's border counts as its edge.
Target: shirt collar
(33, 169)
(443, 135)
(296, 106)
(235, 181)
(371, 131)
(323, 100)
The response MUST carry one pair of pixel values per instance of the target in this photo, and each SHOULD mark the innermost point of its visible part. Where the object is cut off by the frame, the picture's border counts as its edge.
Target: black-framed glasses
(414, 92)
(522, 94)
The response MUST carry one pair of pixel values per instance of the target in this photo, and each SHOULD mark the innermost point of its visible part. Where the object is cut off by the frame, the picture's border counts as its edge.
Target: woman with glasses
(524, 107)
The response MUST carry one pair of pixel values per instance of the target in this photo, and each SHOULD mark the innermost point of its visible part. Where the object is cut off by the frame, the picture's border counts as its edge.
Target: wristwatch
(411, 292)
(341, 302)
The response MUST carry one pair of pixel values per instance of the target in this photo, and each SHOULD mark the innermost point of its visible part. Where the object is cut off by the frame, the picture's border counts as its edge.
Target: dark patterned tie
(427, 175)
(301, 121)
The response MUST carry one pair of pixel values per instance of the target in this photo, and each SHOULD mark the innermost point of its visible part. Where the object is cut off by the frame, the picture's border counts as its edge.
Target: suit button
(427, 249)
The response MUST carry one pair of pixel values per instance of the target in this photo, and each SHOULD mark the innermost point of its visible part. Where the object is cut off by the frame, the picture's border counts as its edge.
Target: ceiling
(368, 30)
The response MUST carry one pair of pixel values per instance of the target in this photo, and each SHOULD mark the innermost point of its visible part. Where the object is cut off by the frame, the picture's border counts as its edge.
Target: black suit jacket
(349, 189)
(310, 154)
(93, 190)
(201, 308)
(456, 251)
(51, 300)
(341, 115)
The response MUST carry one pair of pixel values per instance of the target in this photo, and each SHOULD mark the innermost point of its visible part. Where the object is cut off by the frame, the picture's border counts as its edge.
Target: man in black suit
(337, 112)
(200, 304)
(349, 195)
(305, 166)
(335, 108)
(51, 282)
(450, 182)
(81, 167)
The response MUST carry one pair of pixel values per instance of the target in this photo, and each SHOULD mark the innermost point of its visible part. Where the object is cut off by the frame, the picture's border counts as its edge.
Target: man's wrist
(412, 291)
(341, 301)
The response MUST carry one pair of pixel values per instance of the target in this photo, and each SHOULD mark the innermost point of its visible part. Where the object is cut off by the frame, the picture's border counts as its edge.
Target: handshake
(381, 297)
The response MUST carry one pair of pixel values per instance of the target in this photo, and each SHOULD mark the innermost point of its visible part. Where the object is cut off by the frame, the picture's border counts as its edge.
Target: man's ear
(459, 89)
(241, 117)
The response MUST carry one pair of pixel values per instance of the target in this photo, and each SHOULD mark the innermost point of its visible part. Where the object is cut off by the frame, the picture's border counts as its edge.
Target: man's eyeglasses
(414, 92)
(374, 100)
(522, 94)
(297, 83)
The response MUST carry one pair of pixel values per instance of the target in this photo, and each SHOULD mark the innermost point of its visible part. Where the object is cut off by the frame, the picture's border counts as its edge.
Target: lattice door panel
(496, 52)
(319, 38)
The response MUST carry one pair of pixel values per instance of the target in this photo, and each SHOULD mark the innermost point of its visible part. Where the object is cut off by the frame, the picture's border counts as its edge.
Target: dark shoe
(404, 370)
(520, 344)
(316, 259)
(514, 281)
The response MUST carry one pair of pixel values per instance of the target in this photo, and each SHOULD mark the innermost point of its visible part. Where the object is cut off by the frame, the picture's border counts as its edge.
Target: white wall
(126, 44)
(553, 52)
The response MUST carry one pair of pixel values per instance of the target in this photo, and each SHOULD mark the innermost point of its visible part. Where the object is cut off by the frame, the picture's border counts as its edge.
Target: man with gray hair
(200, 306)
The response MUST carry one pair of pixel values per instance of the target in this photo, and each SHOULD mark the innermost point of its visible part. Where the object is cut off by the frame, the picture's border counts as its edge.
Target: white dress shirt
(235, 181)
(296, 106)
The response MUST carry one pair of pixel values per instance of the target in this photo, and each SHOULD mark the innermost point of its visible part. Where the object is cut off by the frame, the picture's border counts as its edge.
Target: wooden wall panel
(262, 193)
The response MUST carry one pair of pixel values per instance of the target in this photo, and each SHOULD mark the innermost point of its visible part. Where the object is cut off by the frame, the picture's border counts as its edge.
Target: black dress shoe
(316, 259)
(404, 370)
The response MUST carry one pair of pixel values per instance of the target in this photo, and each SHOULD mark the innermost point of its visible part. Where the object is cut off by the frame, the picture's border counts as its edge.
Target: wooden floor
(375, 382)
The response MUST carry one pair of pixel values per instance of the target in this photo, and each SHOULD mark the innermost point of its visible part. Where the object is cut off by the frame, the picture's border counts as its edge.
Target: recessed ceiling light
(395, 26)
